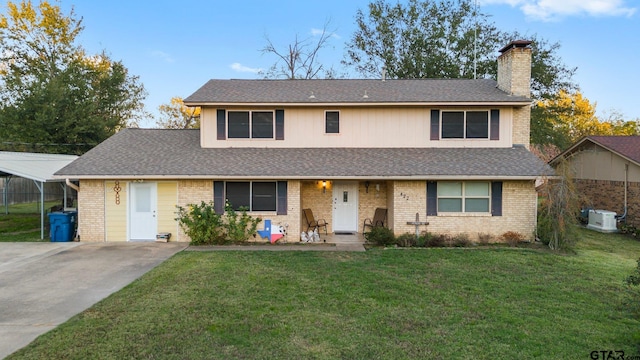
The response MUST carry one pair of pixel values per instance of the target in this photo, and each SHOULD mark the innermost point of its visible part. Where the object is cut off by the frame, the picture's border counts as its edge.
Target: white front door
(345, 206)
(143, 221)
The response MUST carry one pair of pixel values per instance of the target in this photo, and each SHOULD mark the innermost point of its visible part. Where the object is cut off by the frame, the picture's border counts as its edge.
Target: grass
(23, 222)
(496, 303)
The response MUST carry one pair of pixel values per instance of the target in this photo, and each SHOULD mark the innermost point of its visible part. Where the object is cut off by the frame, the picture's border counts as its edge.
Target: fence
(21, 190)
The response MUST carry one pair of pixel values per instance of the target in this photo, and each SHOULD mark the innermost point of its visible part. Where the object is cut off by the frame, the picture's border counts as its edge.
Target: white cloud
(162, 55)
(318, 32)
(549, 10)
(241, 68)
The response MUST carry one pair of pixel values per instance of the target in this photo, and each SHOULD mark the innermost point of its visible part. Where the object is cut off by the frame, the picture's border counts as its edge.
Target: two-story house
(453, 151)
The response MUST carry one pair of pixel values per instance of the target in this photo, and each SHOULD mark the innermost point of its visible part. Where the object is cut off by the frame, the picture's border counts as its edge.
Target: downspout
(626, 185)
(77, 189)
(72, 185)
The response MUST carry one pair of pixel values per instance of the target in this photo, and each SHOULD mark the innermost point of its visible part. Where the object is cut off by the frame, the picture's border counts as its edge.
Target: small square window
(262, 125)
(332, 122)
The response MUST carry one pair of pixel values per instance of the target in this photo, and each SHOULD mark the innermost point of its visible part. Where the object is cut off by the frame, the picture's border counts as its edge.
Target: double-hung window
(465, 125)
(332, 122)
(252, 195)
(467, 197)
(250, 124)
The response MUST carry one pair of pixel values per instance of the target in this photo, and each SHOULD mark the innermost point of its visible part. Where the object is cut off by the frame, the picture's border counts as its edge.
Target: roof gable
(367, 91)
(626, 146)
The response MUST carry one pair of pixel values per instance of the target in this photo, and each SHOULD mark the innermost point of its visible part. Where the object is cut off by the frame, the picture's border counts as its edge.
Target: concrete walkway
(42, 285)
(282, 247)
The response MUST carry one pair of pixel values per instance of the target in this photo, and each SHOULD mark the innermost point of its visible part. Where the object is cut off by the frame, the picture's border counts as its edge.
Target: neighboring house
(453, 151)
(607, 173)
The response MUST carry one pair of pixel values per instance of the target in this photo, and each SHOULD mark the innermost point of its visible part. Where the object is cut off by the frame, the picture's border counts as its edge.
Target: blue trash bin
(62, 226)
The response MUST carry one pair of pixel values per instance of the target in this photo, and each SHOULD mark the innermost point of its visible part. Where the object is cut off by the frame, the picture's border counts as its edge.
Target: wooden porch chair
(312, 222)
(379, 219)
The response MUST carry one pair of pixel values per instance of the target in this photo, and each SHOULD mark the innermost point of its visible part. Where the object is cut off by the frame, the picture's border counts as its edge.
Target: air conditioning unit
(602, 220)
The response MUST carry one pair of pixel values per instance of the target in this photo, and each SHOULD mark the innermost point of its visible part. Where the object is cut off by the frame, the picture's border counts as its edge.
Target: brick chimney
(514, 68)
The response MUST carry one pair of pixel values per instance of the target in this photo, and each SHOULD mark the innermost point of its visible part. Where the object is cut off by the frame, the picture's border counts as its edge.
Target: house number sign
(117, 190)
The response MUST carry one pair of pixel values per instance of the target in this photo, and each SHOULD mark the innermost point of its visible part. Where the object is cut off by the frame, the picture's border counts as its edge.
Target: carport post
(40, 186)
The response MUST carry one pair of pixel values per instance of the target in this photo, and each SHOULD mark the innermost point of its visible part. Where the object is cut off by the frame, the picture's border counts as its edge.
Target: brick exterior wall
(91, 210)
(312, 197)
(514, 77)
(519, 201)
(514, 71)
(609, 195)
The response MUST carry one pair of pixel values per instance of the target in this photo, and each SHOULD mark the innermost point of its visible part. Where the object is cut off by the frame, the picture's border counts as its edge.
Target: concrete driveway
(44, 284)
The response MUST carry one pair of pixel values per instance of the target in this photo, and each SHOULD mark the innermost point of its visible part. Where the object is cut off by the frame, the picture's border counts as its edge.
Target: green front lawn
(496, 303)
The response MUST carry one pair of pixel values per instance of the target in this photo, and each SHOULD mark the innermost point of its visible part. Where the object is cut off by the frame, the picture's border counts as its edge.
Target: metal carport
(37, 167)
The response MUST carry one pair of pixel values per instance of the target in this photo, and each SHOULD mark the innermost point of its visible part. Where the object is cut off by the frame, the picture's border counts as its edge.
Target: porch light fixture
(366, 186)
(324, 186)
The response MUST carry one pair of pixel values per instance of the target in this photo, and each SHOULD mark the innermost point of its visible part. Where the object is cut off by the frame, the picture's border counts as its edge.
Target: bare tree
(299, 60)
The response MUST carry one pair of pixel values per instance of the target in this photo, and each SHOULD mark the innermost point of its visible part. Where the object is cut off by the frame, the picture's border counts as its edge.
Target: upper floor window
(332, 122)
(465, 125)
(250, 124)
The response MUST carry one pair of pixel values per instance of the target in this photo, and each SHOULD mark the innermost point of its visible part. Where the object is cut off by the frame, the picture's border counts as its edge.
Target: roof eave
(293, 177)
(356, 104)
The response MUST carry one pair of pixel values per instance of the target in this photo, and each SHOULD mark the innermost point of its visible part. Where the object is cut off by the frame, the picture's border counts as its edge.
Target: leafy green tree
(56, 98)
(176, 115)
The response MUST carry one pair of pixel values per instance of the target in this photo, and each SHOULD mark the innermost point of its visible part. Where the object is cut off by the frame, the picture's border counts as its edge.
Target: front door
(345, 206)
(143, 221)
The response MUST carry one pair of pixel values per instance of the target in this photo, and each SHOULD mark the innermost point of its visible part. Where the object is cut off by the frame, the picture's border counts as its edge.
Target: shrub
(437, 240)
(484, 239)
(421, 241)
(380, 236)
(559, 209)
(202, 224)
(205, 227)
(512, 238)
(634, 278)
(407, 240)
(239, 226)
(461, 240)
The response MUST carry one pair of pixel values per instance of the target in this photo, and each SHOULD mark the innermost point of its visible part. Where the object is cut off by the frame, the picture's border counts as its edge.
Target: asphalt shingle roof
(351, 91)
(628, 146)
(177, 153)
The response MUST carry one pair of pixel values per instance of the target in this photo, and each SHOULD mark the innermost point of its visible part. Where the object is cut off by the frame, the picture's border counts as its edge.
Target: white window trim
(464, 197)
(273, 124)
(339, 122)
(488, 111)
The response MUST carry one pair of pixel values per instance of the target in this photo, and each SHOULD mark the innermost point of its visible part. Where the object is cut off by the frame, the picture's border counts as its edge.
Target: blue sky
(176, 46)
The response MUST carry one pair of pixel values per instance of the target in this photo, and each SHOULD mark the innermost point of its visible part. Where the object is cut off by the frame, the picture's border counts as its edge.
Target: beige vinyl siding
(167, 200)
(116, 214)
(597, 163)
(359, 127)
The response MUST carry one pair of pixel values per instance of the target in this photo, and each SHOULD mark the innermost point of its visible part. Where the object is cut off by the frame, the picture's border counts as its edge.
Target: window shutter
(221, 122)
(279, 124)
(495, 125)
(282, 198)
(435, 124)
(432, 198)
(218, 197)
(496, 198)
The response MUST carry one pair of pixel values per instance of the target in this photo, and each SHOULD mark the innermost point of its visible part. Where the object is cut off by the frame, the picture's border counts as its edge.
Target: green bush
(205, 227)
(380, 236)
(202, 224)
(240, 226)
